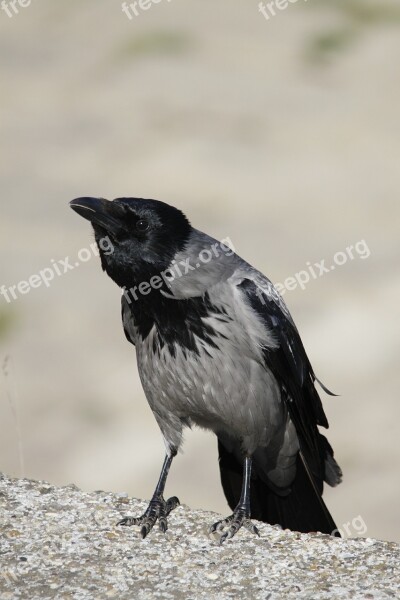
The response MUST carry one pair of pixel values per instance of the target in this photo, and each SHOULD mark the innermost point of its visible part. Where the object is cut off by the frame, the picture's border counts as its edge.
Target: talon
(171, 503)
(239, 518)
(126, 521)
(219, 525)
(157, 510)
(144, 531)
(223, 538)
(163, 524)
(216, 527)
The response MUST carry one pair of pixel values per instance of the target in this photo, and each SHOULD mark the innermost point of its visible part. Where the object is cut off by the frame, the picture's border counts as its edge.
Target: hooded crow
(217, 347)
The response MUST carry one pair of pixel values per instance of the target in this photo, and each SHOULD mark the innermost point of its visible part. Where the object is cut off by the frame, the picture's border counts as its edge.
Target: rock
(63, 543)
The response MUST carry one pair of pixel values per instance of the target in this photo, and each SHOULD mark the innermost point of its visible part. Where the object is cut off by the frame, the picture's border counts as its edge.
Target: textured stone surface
(63, 543)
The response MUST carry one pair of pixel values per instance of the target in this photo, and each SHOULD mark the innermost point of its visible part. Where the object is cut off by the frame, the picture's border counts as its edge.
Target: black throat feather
(177, 322)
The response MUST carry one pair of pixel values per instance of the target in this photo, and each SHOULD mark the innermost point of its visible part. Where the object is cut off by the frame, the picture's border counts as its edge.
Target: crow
(217, 347)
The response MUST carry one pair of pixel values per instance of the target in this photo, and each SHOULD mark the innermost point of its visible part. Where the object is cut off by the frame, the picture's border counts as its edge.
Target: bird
(217, 348)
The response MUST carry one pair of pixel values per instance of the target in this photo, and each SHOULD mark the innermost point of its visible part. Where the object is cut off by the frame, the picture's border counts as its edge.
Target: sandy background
(283, 135)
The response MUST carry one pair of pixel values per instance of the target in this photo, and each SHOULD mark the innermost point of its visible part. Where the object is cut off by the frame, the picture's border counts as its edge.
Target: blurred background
(281, 133)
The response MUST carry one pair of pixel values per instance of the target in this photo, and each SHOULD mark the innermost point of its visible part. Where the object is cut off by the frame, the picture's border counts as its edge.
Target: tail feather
(303, 509)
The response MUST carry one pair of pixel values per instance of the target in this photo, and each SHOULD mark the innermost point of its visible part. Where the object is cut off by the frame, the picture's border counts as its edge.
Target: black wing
(291, 367)
(303, 508)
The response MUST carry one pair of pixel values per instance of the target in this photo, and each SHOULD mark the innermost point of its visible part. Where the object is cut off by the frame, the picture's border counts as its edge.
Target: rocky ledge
(63, 543)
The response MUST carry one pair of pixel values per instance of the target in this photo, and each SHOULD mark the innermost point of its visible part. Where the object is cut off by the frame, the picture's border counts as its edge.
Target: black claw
(240, 518)
(157, 510)
(125, 521)
(171, 504)
(163, 525)
(144, 531)
(223, 538)
(216, 527)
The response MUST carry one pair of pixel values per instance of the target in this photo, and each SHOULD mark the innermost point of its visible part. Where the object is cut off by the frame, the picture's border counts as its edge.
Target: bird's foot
(239, 518)
(157, 510)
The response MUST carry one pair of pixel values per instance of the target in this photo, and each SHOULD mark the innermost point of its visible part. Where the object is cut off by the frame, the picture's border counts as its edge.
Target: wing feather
(292, 369)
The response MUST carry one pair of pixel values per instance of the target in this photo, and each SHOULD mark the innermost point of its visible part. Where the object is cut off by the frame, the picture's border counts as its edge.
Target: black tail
(303, 509)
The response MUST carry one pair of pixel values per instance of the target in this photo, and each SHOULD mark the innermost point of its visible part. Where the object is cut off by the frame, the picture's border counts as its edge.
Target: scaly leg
(241, 514)
(158, 508)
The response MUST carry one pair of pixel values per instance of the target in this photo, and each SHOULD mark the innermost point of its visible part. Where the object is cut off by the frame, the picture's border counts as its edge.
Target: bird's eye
(142, 225)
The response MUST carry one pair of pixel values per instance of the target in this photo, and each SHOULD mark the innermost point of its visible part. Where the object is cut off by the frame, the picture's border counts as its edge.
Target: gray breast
(224, 386)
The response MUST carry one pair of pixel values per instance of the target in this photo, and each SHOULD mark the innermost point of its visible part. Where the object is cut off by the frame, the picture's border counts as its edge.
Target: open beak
(101, 212)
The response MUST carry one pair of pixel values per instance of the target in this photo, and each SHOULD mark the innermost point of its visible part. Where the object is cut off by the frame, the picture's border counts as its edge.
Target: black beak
(99, 211)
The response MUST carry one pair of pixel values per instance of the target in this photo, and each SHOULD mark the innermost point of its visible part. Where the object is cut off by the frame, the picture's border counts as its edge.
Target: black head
(137, 238)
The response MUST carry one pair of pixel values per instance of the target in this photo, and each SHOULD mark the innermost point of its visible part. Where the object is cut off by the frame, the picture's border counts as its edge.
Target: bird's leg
(241, 514)
(158, 508)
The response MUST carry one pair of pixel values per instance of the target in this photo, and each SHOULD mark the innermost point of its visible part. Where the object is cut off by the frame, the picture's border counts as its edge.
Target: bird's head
(137, 238)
